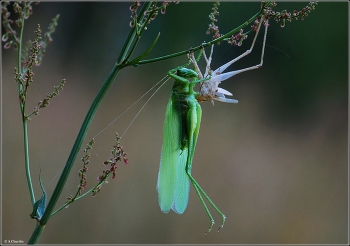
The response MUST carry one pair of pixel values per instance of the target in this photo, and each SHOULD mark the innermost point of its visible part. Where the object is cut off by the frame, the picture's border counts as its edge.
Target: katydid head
(186, 73)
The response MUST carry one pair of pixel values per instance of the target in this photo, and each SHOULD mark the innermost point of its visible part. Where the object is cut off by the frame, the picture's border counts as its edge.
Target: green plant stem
(24, 120)
(184, 52)
(139, 33)
(76, 198)
(132, 33)
(74, 152)
(38, 231)
(26, 161)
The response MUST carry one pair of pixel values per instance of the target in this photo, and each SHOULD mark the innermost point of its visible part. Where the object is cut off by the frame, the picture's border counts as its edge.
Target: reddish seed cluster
(47, 38)
(255, 25)
(268, 13)
(238, 38)
(23, 10)
(118, 154)
(304, 12)
(212, 26)
(32, 53)
(82, 172)
(284, 15)
(151, 14)
(133, 8)
(45, 102)
(148, 15)
(34, 50)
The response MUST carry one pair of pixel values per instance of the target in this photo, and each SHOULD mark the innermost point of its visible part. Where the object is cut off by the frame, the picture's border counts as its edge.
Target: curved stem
(184, 52)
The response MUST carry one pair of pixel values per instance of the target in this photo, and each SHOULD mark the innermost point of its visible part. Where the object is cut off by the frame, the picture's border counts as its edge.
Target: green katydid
(181, 128)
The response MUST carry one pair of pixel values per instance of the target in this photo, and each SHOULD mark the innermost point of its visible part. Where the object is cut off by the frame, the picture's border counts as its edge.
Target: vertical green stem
(38, 231)
(25, 123)
(26, 161)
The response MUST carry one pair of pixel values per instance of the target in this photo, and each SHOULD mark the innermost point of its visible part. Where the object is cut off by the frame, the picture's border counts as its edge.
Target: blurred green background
(275, 163)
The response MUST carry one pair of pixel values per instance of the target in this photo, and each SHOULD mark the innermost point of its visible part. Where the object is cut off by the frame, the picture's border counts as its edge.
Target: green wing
(173, 183)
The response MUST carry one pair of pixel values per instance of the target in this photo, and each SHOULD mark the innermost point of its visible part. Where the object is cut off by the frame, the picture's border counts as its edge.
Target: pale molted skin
(209, 89)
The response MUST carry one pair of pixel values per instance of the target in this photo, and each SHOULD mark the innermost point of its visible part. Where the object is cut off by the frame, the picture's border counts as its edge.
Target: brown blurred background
(275, 163)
